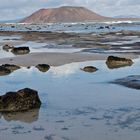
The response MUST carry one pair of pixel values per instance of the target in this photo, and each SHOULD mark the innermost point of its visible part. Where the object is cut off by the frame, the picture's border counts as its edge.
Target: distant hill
(65, 14)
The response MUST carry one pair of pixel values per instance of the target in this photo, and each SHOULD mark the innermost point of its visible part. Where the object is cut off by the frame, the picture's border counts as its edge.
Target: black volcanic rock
(43, 67)
(22, 100)
(20, 50)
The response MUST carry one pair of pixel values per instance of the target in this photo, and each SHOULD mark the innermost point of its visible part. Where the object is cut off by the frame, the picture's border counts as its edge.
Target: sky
(18, 9)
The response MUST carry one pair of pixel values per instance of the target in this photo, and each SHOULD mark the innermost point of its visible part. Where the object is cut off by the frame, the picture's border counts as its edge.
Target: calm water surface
(75, 105)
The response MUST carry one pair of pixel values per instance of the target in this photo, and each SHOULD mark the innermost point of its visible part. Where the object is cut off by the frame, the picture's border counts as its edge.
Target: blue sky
(14, 9)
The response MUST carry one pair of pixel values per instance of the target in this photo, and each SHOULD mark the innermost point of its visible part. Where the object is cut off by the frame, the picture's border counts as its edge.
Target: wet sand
(87, 46)
(54, 59)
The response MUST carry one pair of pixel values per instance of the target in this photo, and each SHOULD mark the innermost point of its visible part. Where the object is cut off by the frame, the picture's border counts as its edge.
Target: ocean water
(112, 26)
(76, 105)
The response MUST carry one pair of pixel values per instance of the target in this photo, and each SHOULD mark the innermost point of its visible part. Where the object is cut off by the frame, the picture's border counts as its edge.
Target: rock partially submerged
(11, 67)
(43, 67)
(4, 71)
(117, 62)
(20, 50)
(22, 100)
(89, 69)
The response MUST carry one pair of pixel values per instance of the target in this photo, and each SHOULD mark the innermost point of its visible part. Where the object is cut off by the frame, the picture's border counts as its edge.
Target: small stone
(43, 67)
(89, 69)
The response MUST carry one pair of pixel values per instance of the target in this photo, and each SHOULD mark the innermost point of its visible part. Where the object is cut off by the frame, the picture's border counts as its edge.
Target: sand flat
(54, 59)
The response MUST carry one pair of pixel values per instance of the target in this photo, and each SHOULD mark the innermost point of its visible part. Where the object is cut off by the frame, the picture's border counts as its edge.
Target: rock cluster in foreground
(117, 62)
(22, 100)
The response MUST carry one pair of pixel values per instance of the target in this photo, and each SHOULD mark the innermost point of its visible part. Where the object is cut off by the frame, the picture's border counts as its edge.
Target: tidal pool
(76, 105)
(34, 46)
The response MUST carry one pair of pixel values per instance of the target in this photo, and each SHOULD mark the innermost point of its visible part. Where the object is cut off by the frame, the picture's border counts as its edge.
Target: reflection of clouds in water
(65, 70)
(72, 68)
(23, 70)
(33, 45)
(49, 47)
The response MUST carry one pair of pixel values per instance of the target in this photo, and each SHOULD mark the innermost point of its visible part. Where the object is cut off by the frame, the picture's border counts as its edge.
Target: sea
(87, 27)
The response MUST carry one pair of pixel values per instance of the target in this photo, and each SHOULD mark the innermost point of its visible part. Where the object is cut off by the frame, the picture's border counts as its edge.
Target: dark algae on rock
(117, 62)
(43, 67)
(22, 100)
(20, 50)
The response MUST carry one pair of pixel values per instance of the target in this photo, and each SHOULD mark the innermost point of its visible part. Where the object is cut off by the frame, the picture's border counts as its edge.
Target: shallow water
(34, 46)
(75, 105)
(125, 44)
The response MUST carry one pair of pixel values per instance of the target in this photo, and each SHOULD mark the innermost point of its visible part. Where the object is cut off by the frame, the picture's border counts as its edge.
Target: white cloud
(13, 9)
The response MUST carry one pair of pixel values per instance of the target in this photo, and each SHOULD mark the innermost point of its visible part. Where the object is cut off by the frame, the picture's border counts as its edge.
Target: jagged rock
(11, 67)
(43, 67)
(117, 62)
(20, 50)
(89, 69)
(4, 71)
(22, 100)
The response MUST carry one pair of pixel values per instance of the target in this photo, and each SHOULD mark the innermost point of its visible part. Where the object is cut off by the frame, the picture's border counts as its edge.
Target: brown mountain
(64, 14)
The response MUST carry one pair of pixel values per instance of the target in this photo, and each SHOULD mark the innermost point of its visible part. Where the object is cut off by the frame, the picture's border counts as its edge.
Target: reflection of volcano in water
(27, 117)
